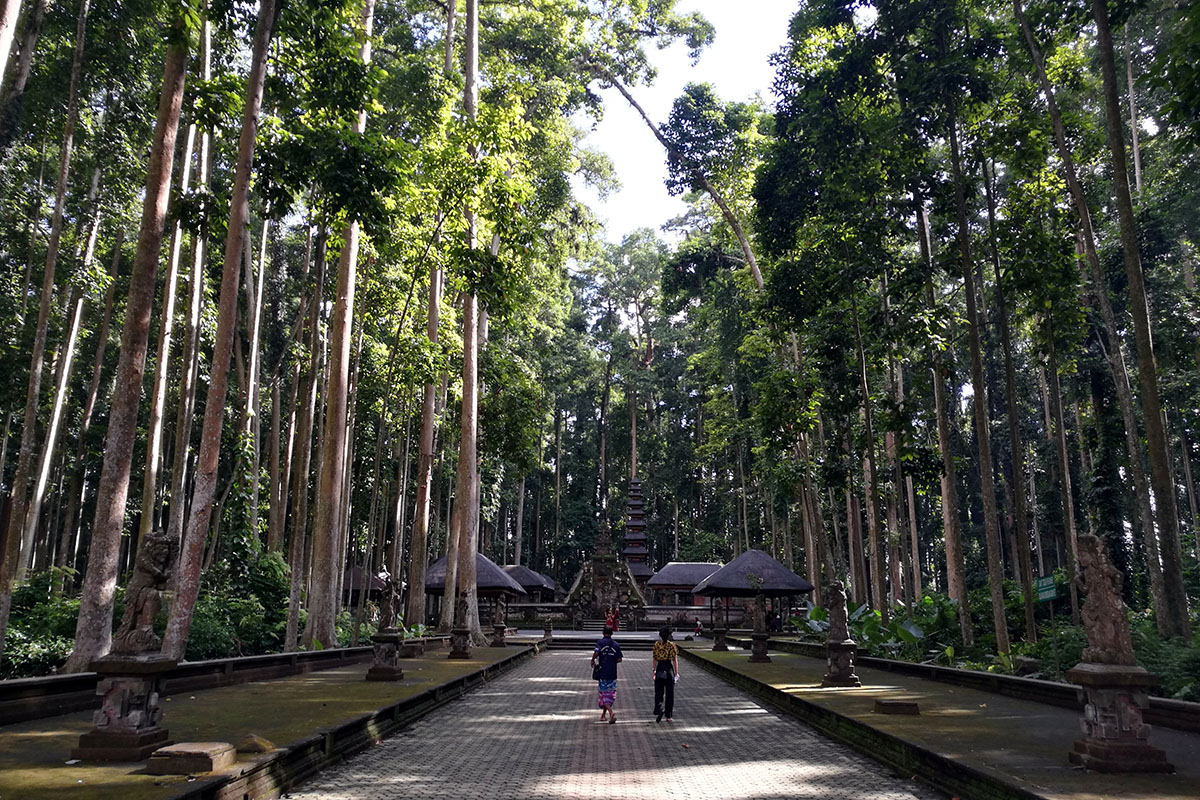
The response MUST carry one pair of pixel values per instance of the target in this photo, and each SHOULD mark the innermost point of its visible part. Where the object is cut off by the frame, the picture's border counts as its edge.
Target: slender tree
(191, 551)
(333, 448)
(93, 633)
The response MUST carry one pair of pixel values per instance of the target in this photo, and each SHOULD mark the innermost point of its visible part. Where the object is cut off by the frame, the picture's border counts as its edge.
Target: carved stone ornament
(835, 602)
(143, 595)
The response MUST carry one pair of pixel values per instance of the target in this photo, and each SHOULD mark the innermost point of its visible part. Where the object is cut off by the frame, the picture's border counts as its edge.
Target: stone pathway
(535, 734)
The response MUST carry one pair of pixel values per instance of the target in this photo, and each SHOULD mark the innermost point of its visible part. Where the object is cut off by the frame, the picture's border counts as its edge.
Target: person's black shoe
(659, 717)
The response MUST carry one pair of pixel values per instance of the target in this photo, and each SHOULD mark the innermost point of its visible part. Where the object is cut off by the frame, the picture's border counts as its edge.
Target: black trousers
(664, 685)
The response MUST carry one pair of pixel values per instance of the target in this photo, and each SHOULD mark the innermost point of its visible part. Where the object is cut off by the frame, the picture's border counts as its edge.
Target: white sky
(747, 33)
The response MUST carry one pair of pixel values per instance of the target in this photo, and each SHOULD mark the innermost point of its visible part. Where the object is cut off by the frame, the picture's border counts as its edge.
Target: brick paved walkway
(535, 734)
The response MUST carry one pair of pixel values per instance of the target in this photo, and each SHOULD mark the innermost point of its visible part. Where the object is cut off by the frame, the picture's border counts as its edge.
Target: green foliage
(245, 617)
(28, 655)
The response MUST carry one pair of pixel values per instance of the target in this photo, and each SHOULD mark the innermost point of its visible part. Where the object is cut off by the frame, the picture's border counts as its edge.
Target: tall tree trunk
(1085, 465)
(1133, 119)
(78, 485)
(1015, 446)
(519, 528)
(252, 412)
(955, 564)
(400, 515)
(12, 556)
(190, 358)
(414, 610)
(9, 13)
(633, 445)
(419, 546)
(1054, 394)
(602, 437)
(275, 475)
(14, 91)
(1165, 506)
(65, 358)
(858, 564)
(191, 551)
(158, 396)
(551, 559)
(93, 633)
(871, 475)
(1185, 457)
(1116, 357)
(334, 441)
(991, 517)
(299, 541)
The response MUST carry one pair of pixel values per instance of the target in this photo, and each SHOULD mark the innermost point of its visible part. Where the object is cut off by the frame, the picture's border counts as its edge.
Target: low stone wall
(34, 698)
(272, 774)
(1163, 711)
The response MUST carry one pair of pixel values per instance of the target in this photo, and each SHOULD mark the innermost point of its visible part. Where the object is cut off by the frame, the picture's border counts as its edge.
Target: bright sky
(747, 33)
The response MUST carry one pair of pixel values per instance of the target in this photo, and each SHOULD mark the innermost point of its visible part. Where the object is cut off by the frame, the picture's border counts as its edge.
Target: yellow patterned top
(665, 651)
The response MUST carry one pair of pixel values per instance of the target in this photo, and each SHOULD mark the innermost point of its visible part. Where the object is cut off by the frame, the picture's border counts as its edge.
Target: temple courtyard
(535, 733)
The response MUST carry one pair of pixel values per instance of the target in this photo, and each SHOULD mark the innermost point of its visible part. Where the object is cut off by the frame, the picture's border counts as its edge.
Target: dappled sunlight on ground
(519, 741)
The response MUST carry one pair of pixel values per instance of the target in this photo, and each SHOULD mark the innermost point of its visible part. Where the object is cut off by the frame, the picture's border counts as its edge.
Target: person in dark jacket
(664, 665)
(605, 658)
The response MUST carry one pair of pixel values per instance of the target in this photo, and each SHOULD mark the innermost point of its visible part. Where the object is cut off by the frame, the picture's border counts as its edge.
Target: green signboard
(1045, 588)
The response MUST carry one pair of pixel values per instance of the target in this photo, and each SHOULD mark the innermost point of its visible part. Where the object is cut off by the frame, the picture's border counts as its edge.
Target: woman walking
(665, 669)
(605, 658)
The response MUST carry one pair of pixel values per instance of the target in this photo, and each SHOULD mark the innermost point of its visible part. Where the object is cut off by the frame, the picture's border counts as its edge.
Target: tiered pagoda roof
(634, 552)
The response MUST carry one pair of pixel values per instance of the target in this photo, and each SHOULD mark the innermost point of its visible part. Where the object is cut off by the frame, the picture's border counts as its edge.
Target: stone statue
(1104, 617)
(835, 601)
(143, 595)
(760, 613)
(389, 602)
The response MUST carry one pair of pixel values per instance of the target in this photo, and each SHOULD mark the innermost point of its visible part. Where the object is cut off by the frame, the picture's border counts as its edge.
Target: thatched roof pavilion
(752, 573)
(490, 579)
(532, 582)
(681, 576)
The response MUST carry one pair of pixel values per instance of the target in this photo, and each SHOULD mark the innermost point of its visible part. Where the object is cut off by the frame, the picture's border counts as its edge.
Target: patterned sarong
(608, 692)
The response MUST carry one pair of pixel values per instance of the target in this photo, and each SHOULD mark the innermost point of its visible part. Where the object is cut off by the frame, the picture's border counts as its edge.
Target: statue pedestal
(719, 643)
(1115, 738)
(548, 632)
(758, 648)
(386, 644)
(126, 725)
(840, 663)
(499, 630)
(460, 643)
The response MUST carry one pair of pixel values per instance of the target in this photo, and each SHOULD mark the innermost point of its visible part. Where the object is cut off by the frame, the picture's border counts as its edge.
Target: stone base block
(902, 707)
(412, 648)
(840, 664)
(460, 644)
(385, 672)
(105, 746)
(498, 634)
(253, 743)
(188, 758)
(836, 681)
(758, 648)
(719, 643)
(1119, 757)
